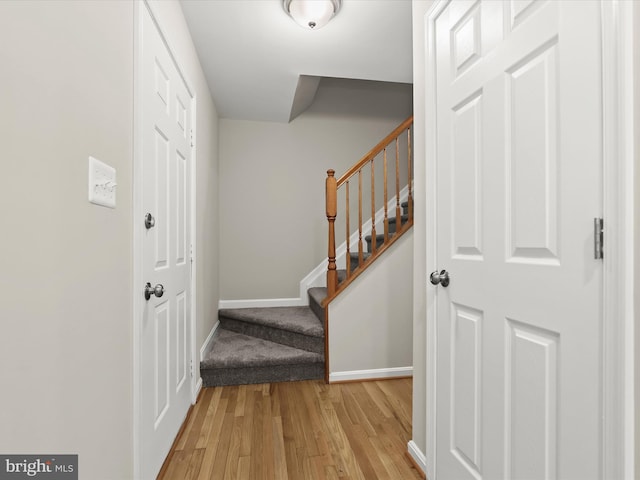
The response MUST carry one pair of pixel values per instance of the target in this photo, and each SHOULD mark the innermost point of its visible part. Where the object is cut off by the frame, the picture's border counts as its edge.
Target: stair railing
(334, 188)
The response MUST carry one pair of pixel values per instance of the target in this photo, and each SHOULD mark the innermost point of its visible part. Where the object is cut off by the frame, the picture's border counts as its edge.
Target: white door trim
(137, 216)
(431, 197)
(618, 336)
(196, 379)
(618, 214)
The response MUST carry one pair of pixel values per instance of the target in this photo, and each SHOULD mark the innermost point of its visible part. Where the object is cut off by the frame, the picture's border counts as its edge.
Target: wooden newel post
(332, 210)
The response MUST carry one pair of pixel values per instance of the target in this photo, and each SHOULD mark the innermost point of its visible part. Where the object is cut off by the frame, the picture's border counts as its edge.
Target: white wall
(419, 434)
(65, 264)
(370, 323)
(273, 228)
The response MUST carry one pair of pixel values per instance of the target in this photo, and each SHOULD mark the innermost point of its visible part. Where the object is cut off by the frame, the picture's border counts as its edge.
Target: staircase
(264, 345)
(280, 344)
(275, 344)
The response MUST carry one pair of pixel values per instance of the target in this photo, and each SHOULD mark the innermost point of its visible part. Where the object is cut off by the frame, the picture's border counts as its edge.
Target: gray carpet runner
(276, 344)
(241, 359)
(263, 345)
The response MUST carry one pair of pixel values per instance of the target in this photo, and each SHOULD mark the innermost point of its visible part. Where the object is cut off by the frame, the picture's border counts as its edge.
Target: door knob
(441, 278)
(158, 290)
(149, 221)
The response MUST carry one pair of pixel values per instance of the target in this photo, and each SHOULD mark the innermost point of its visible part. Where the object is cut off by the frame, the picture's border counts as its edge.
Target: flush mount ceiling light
(312, 14)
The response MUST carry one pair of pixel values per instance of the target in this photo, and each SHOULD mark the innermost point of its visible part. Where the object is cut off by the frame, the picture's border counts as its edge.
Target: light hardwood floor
(297, 431)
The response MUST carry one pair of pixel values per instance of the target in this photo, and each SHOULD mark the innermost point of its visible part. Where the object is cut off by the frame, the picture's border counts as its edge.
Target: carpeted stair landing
(277, 344)
(263, 345)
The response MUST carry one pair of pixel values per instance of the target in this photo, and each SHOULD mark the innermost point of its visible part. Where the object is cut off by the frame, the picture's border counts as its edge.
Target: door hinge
(191, 132)
(598, 238)
(191, 367)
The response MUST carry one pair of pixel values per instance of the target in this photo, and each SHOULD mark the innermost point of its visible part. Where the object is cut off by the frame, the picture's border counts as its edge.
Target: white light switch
(102, 183)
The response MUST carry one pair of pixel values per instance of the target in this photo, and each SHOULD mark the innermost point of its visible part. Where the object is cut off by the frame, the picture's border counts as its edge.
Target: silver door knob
(149, 221)
(158, 290)
(441, 278)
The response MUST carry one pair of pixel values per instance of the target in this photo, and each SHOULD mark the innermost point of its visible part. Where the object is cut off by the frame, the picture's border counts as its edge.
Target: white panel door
(518, 92)
(166, 159)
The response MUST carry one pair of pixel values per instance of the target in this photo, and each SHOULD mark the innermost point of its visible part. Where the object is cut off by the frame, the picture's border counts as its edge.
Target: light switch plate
(102, 183)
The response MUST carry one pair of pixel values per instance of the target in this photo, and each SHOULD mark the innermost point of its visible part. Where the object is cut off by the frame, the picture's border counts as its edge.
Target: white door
(519, 175)
(165, 333)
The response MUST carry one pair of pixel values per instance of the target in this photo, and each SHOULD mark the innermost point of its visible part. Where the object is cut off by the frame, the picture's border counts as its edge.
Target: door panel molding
(466, 387)
(534, 350)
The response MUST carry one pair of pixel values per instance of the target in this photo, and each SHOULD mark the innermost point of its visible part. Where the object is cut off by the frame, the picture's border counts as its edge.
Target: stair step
(277, 344)
(354, 260)
(379, 240)
(342, 275)
(392, 222)
(297, 327)
(239, 359)
(316, 296)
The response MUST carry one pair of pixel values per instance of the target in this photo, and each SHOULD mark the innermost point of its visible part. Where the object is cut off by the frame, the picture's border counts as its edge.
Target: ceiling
(260, 65)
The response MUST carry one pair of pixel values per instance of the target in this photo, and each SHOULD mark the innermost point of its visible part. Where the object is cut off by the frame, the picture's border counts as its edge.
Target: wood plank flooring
(297, 431)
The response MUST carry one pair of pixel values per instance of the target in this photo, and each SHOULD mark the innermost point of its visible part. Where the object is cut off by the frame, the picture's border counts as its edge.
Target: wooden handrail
(376, 150)
(401, 224)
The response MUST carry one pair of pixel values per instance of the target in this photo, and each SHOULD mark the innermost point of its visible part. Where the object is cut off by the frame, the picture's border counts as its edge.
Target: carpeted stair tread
(235, 350)
(392, 221)
(379, 240)
(316, 296)
(379, 236)
(354, 259)
(293, 319)
(238, 359)
(317, 293)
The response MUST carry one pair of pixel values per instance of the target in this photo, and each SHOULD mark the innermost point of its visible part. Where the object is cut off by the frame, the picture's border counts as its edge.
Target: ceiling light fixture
(312, 14)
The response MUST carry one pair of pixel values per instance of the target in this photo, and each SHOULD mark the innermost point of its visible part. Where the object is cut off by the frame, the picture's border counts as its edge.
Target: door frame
(142, 8)
(618, 211)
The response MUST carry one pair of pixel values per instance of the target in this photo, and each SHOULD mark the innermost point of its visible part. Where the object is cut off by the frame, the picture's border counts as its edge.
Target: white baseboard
(264, 302)
(417, 455)
(375, 374)
(206, 346)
